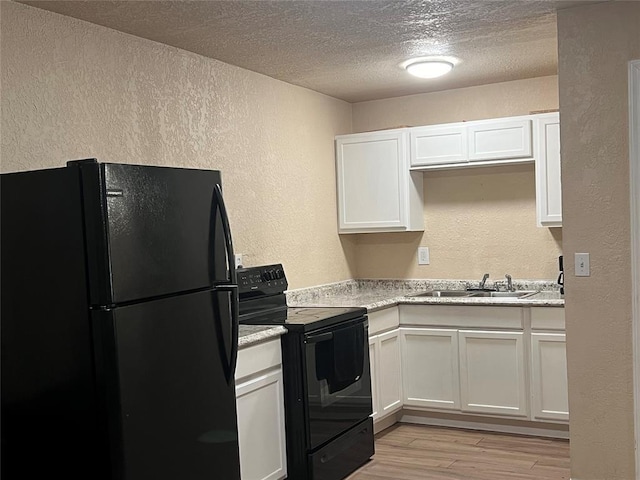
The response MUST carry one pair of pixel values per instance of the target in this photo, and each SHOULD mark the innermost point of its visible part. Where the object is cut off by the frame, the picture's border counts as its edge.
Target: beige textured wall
(595, 44)
(519, 97)
(476, 220)
(71, 89)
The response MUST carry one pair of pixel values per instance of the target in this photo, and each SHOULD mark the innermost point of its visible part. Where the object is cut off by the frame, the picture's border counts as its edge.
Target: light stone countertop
(252, 334)
(379, 294)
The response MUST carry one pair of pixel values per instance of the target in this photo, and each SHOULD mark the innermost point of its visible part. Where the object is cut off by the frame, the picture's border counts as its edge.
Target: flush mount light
(428, 68)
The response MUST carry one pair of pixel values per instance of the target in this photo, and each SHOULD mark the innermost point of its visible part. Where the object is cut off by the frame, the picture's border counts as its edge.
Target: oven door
(338, 379)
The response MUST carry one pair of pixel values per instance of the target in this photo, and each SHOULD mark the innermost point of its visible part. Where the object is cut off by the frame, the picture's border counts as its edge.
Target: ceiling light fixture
(428, 68)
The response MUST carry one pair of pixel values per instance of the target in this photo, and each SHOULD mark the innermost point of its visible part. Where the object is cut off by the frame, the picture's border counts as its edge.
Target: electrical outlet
(423, 255)
(582, 265)
(238, 260)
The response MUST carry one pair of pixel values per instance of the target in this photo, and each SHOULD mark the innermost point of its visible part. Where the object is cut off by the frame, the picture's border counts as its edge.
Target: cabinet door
(499, 140)
(430, 368)
(261, 433)
(372, 175)
(548, 181)
(492, 372)
(373, 365)
(549, 376)
(389, 372)
(438, 145)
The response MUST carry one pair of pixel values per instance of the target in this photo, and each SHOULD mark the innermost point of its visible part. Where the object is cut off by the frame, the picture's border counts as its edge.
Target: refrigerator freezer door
(152, 231)
(172, 412)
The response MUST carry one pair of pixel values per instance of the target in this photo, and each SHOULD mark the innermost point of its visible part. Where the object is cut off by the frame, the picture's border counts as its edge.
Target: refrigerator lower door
(171, 411)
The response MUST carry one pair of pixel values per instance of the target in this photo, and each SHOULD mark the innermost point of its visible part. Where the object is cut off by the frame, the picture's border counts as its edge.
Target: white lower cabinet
(260, 405)
(549, 376)
(430, 368)
(373, 366)
(389, 369)
(386, 375)
(492, 372)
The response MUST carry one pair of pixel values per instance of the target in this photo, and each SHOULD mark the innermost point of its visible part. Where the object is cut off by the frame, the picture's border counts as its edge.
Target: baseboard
(386, 422)
(518, 427)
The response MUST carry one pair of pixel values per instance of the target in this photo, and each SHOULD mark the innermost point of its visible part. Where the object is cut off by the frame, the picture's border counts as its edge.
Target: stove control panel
(263, 280)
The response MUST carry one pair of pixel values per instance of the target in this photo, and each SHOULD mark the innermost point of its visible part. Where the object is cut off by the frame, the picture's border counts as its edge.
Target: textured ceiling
(348, 49)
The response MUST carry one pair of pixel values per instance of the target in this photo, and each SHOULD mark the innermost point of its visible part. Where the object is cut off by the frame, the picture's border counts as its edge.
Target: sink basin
(444, 293)
(475, 294)
(516, 294)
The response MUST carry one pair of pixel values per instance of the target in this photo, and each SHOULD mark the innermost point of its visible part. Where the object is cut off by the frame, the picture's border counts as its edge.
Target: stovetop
(307, 318)
(308, 315)
(263, 302)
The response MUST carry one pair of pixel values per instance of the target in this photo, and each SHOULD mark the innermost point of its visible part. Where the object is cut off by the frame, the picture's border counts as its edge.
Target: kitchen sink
(444, 293)
(516, 294)
(475, 294)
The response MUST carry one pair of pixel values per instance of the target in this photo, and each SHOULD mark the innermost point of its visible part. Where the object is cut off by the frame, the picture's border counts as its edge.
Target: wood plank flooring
(417, 452)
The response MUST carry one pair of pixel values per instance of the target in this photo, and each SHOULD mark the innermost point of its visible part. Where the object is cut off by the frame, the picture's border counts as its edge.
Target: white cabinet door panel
(548, 176)
(371, 183)
(430, 368)
(373, 365)
(549, 376)
(438, 145)
(492, 372)
(496, 140)
(376, 190)
(389, 372)
(261, 433)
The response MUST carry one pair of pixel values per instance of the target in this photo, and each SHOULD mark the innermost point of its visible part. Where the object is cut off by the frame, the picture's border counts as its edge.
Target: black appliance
(327, 380)
(119, 324)
(561, 274)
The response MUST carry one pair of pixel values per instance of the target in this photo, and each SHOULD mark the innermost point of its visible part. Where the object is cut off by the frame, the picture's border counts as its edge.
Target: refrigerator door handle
(230, 368)
(232, 287)
(227, 235)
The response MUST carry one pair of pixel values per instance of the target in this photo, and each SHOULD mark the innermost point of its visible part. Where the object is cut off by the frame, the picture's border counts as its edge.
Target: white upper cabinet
(500, 139)
(548, 182)
(379, 174)
(481, 142)
(438, 145)
(376, 190)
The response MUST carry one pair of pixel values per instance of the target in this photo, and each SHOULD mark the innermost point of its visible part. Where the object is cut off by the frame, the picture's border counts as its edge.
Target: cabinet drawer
(462, 316)
(547, 318)
(383, 320)
(257, 358)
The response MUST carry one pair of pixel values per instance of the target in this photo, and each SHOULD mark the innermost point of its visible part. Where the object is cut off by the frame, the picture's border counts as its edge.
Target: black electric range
(327, 380)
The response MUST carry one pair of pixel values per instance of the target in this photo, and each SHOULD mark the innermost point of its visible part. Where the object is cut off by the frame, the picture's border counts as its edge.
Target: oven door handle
(319, 338)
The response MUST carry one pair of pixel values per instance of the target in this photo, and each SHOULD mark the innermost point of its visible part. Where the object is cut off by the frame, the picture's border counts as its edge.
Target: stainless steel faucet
(509, 283)
(484, 280)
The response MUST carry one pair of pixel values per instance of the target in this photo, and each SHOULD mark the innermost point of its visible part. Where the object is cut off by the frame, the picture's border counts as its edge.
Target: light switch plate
(581, 263)
(423, 256)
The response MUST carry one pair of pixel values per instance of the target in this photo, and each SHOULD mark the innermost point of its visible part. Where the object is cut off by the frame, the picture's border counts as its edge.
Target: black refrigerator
(119, 324)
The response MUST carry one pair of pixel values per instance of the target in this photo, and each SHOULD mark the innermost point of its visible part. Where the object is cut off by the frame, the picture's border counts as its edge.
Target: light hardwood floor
(417, 452)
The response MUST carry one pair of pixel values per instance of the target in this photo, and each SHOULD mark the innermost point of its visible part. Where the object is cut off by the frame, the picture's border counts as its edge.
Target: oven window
(338, 380)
